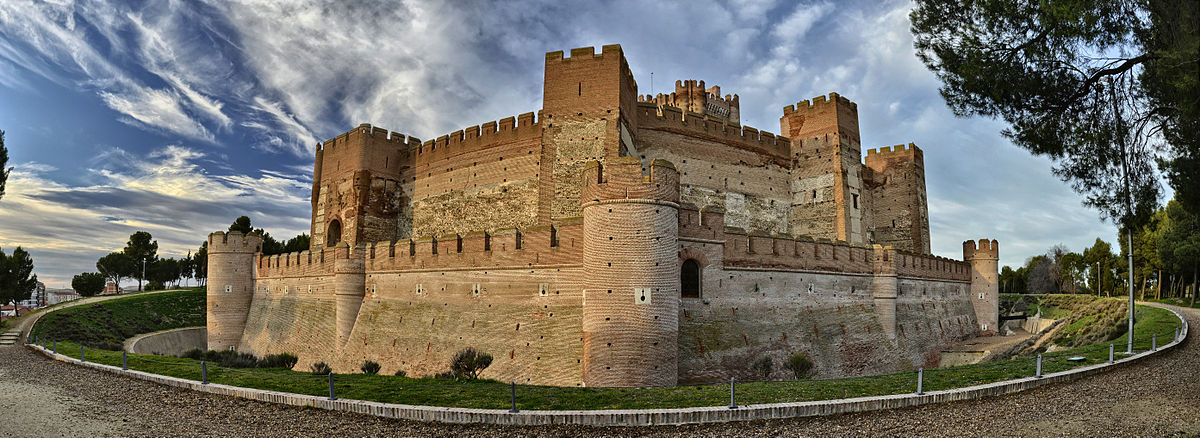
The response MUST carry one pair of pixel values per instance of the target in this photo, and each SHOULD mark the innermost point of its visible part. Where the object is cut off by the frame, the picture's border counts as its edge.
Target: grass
(1181, 302)
(108, 324)
(495, 395)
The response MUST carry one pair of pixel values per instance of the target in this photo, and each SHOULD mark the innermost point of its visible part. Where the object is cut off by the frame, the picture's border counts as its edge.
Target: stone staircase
(10, 338)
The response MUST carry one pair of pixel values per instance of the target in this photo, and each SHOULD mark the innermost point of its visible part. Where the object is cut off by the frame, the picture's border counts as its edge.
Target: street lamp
(143, 274)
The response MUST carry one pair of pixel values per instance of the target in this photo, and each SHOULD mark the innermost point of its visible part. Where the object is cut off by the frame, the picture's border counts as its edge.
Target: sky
(175, 117)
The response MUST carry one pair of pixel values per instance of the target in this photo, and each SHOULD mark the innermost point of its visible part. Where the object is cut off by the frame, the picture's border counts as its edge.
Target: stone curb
(633, 417)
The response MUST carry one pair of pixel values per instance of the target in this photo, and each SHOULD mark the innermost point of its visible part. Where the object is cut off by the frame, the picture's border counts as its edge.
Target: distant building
(37, 299)
(112, 289)
(55, 296)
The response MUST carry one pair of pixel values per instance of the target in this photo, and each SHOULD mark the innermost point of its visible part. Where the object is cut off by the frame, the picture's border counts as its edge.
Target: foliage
(400, 373)
(800, 365)
(88, 284)
(1070, 80)
(108, 324)
(370, 367)
(762, 367)
(1172, 90)
(281, 360)
(17, 280)
(200, 263)
(116, 266)
(3, 162)
(241, 225)
(468, 363)
(320, 369)
(270, 246)
(143, 250)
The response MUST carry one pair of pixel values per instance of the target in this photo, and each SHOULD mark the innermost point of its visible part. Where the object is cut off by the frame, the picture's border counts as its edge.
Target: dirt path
(1157, 397)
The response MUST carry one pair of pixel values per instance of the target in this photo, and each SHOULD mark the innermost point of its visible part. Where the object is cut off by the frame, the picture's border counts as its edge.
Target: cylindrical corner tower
(349, 288)
(231, 267)
(631, 269)
(985, 282)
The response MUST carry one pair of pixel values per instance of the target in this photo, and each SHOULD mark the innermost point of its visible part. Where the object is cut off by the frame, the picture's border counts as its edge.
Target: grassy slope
(107, 324)
(490, 394)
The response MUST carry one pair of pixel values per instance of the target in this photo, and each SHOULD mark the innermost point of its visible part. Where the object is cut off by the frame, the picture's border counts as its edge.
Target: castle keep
(612, 240)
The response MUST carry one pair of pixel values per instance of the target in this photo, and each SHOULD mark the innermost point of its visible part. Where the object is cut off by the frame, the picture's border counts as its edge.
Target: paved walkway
(1158, 396)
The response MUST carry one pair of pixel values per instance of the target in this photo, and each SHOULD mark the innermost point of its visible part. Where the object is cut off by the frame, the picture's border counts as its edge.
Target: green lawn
(491, 394)
(108, 324)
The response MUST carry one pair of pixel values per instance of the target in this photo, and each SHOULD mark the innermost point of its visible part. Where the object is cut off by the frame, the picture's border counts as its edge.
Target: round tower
(985, 282)
(349, 287)
(231, 264)
(631, 267)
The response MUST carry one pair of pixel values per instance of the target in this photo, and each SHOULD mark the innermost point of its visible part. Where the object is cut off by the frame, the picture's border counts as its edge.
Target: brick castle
(612, 240)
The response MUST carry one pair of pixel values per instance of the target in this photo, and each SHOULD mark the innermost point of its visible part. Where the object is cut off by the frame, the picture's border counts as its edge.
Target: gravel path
(40, 397)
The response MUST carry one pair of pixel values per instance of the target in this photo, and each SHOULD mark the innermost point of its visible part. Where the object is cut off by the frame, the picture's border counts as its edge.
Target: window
(854, 196)
(334, 234)
(689, 279)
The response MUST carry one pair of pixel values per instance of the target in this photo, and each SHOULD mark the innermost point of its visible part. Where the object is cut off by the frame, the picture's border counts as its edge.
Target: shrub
(800, 365)
(762, 367)
(320, 368)
(401, 373)
(468, 363)
(281, 360)
(444, 375)
(195, 353)
(370, 367)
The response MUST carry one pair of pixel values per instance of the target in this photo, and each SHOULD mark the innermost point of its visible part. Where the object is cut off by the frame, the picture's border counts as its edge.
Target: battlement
(900, 149)
(985, 249)
(672, 119)
(819, 101)
(234, 241)
(479, 137)
(365, 130)
(585, 52)
(623, 178)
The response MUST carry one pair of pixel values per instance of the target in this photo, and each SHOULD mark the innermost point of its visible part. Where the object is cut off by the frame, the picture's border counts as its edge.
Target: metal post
(920, 381)
(513, 397)
(124, 360)
(1176, 334)
(81, 359)
(332, 396)
(732, 393)
(1039, 367)
(1111, 348)
(1129, 344)
(1154, 342)
(56, 346)
(203, 373)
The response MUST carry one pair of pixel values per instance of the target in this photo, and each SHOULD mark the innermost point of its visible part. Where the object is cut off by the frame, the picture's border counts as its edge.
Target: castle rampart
(603, 241)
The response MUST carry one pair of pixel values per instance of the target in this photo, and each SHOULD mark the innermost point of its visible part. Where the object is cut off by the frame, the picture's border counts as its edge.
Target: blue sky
(175, 117)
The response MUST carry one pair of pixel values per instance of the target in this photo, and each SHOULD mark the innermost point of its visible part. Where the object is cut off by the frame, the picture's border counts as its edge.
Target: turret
(985, 285)
(349, 287)
(230, 286)
(631, 261)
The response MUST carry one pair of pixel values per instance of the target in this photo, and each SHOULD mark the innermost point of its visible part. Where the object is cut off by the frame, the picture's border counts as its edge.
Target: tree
(4, 171)
(1178, 242)
(116, 266)
(1171, 88)
(200, 264)
(164, 271)
(242, 225)
(468, 363)
(17, 280)
(1075, 82)
(297, 244)
(142, 249)
(1100, 257)
(88, 284)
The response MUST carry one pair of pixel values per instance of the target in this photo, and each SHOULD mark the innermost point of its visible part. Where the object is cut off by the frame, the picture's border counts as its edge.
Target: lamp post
(143, 274)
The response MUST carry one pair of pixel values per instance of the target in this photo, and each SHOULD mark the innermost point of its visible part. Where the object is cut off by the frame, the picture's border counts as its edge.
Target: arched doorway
(334, 234)
(689, 279)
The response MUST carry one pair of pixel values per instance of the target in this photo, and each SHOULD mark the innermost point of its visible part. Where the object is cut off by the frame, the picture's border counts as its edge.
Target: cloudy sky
(174, 117)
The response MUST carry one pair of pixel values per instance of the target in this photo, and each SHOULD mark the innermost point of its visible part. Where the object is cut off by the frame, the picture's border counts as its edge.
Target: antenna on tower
(651, 83)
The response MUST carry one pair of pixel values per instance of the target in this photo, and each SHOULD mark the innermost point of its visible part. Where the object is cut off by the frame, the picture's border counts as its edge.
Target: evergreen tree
(4, 171)
(143, 250)
(17, 280)
(88, 284)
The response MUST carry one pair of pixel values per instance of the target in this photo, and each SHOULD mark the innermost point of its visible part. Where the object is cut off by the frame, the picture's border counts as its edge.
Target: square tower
(828, 194)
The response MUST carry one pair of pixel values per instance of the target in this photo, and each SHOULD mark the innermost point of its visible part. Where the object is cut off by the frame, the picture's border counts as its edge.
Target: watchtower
(985, 285)
(827, 155)
(230, 286)
(632, 284)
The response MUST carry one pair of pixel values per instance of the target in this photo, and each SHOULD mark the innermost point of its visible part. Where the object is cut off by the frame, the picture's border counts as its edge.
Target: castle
(612, 240)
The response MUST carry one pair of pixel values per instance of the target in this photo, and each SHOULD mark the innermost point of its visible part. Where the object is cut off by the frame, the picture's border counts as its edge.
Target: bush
(400, 373)
(468, 363)
(225, 358)
(281, 360)
(320, 368)
(762, 367)
(444, 375)
(195, 354)
(370, 367)
(800, 365)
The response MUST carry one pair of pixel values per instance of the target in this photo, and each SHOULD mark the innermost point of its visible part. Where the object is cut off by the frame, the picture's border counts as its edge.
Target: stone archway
(333, 235)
